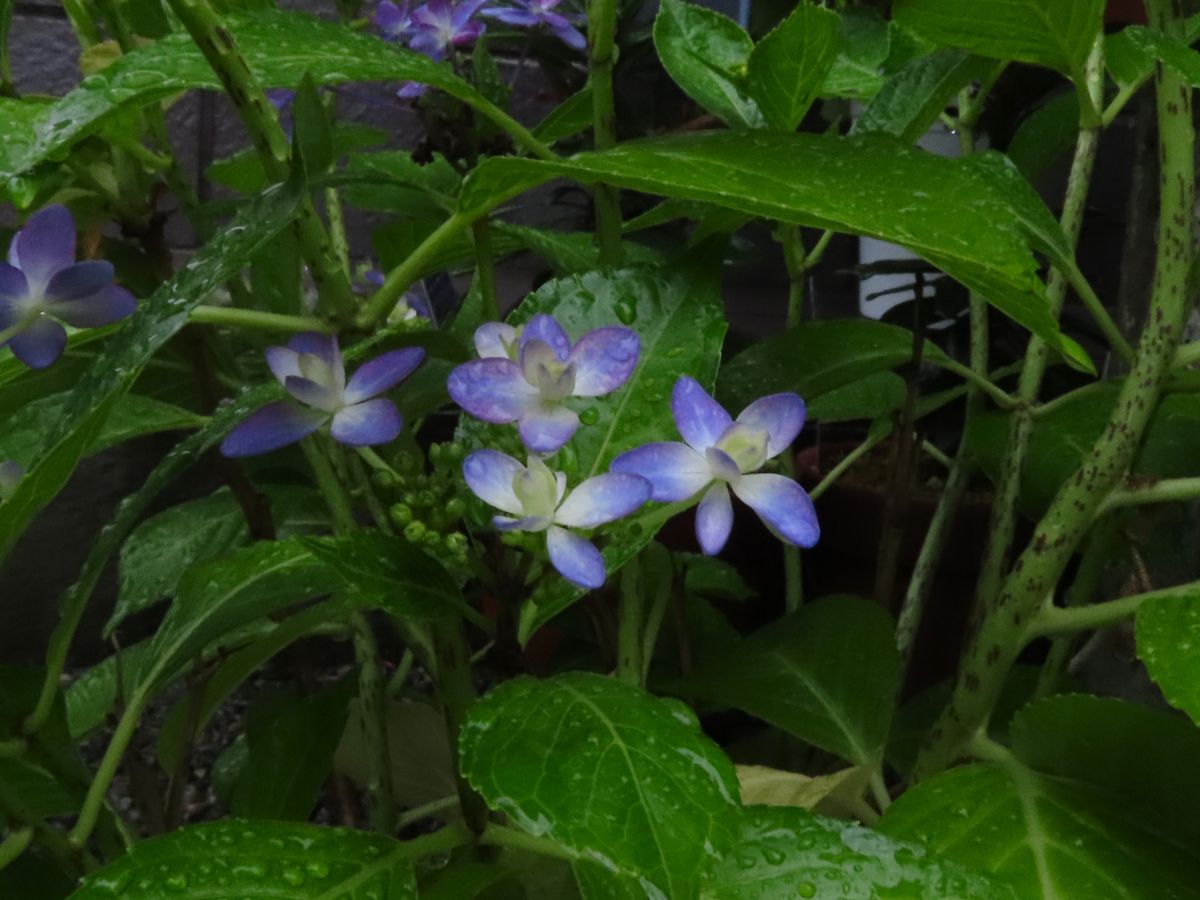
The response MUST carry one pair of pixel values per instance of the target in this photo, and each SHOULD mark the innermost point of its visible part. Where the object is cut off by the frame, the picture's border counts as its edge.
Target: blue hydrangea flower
(536, 499)
(526, 376)
(41, 285)
(11, 473)
(532, 13)
(393, 21)
(439, 25)
(409, 307)
(719, 456)
(311, 369)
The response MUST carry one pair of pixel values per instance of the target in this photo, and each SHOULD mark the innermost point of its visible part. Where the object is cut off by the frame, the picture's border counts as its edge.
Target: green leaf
(789, 852)
(159, 551)
(827, 673)
(271, 860)
(1045, 136)
(911, 100)
(571, 252)
(1131, 53)
(67, 438)
(1047, 838)
(679, 318)
(868, 398)
(964, 218)
(94, 693)
(1065, 434)
(280, 48)
(609, 772)
(132, 416)
(1058, 34)
(712, 577)
(1168, 642)
(866, 42)
(569, 118)
(788, 66)
(290, 745)
(1143, 759)
(313, 133)
(706, 54)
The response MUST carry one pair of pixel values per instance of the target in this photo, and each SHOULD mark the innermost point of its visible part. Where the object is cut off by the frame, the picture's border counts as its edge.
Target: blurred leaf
(569, 118)
(866, 42)
(612, 774)
(788, 66)
(869, 398)
(1045, 136)
(713, 577)
(312, 130)
(1131, 53)
(1168, 642)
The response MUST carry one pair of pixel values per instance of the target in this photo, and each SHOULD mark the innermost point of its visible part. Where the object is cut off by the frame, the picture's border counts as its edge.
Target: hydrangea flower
(439, 25)
(410, 306)
(392, 21)
(41, 283)
(526, 376)
(311, 369)
(532, 13)
(536, 499)
(719, 456)
(11, 473)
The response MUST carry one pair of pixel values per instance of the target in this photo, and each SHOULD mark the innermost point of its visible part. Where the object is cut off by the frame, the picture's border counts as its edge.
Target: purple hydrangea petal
(492, 339)
(545, 428)
(323, 345)
(275, 425)
(576, 560)
(111, 304)
(13, 284)
(79, 280)
(519, 18)
(45, 245)
(365, 424)
(525, 523)
(781, 416)
(604, 359)
(382, 373)
(464, 10)
(567, 33)
(700, 419)
(310, 393)
(490, 474)
(392, 20)
(467, 34)
(783, 505)
(411, 90)
(493, 390)
(543, 327)
(714, 520)
(39, 344)
(603, 498)
(675, 471)
(284, 363)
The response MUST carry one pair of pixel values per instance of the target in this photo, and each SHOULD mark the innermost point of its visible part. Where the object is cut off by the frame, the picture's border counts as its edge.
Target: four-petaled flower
(525, 377)
(41, 282)
(392, 20)
(311, 369)
(438, 25)
(719, 455)
(11, 473)
(531, 13)
(538, 499)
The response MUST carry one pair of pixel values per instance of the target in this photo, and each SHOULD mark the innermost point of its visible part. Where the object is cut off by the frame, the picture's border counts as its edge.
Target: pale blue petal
(675, 471)
(45, 245)
(543, 327)
(490, 474)
(39, 344)
(544, 428)
(79, 280)
(368, 423)
(604, 359)
(110, 304)
(576, 560)
(308, 392)
(13, 285)
(493, 390)
(275, 425)
(714, 519)
(284, 363)
(382, 373)
(781, 416)
(783, 505)
(525, 523)
(601, 499)
(494, 339)
(700, 419)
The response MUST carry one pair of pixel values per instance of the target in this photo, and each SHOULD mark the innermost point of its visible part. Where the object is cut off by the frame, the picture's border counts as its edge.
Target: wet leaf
(788, 66)
(1168, 642)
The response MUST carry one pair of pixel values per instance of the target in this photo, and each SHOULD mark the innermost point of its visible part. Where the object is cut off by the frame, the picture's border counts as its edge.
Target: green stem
(456, 687)
(86, 29)
(1035, 574)
(16, 843)
(1112, 334)
(794, 260)
(426, 810)
(877, 433)
(995, 393)
(502, 836)
(441, 841)
(1037, 356)
(401, 278)
(220, 49)
(631, 619)
(93, 802)
(602, 29)
(485, 269)
(1169, 490)
(253, 318)
(793, 576)
(1057, 620)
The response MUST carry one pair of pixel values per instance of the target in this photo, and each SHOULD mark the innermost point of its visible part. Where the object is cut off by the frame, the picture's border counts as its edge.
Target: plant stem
(998, 641)
(877, 433)
(1058, 620)
(441, 841)
(1168, 490)
(220, 49)
(456, 687)
(401, 278)
(93, 802)
(602, 28)
(632, 616)
(485, 269)
(253, 318)
(502, 836)
(14, 845)
(426, 810)
(1037, 355)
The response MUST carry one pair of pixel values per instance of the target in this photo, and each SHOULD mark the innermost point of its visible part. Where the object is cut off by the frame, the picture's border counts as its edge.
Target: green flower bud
(401, 513)
(414, 532)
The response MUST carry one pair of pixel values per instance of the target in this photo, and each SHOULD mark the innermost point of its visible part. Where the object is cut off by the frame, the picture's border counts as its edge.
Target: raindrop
(626, 311)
